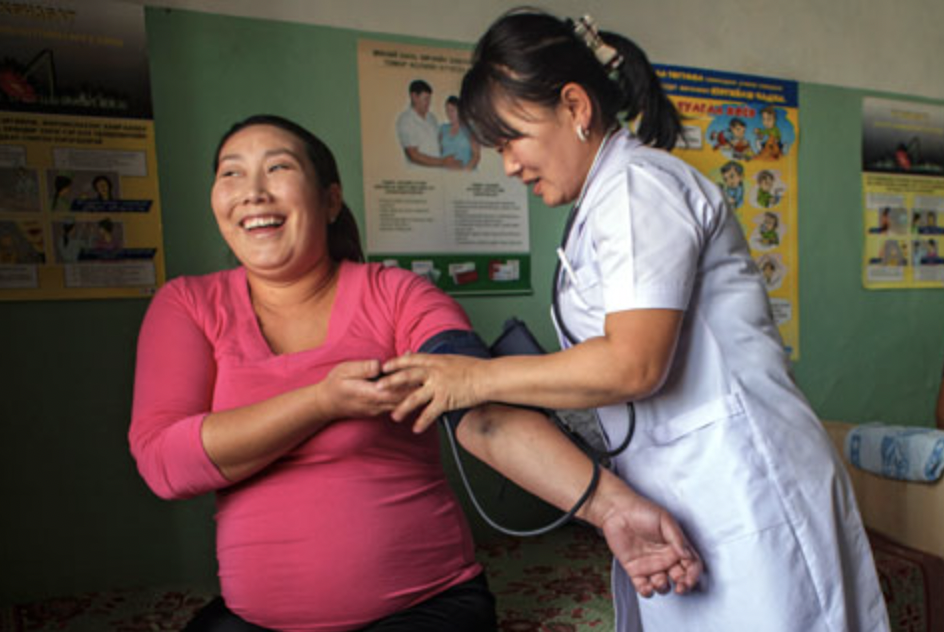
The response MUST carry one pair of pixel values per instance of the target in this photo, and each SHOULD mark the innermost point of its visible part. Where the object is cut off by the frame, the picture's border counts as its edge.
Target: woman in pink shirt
(257, 383)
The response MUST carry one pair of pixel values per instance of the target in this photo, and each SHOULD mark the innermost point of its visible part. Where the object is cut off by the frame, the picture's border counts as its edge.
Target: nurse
(659, 303)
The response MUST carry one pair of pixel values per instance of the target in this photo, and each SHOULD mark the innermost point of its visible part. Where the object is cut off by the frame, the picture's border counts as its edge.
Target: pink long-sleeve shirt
(354, 524)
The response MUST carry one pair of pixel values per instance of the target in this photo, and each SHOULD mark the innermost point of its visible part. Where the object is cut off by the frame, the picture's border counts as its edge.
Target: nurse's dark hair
(528, 55)
(344, 241)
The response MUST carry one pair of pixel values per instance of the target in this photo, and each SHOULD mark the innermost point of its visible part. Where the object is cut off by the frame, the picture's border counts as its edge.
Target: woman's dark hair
(529, 56)
(344, 241)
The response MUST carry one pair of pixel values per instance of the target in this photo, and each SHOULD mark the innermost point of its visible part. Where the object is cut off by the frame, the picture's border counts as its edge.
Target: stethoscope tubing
(562, 265)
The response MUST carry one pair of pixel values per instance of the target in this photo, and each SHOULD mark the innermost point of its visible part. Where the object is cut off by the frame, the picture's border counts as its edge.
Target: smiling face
(548, 156)
(269, 205)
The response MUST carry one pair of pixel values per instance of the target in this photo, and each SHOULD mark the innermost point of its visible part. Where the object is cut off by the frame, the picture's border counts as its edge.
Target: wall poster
(79, 203)
(435, 202)
(741, 131)
(903, 194)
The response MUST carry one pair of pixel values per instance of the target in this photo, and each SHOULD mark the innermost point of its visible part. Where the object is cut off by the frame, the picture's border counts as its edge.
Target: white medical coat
(728, 445)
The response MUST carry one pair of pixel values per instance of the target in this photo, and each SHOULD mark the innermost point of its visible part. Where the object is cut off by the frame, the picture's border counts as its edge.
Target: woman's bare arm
(525, 447)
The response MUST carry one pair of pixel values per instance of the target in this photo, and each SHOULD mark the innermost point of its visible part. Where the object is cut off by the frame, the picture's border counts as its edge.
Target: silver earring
(582, 134)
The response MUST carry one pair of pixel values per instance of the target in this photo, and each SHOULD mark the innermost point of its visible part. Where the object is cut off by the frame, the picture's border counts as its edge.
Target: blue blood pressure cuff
(456, 342)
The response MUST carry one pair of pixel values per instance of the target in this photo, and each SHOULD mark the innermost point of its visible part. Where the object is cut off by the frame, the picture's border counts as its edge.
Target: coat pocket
(669, 430)
(705, 467)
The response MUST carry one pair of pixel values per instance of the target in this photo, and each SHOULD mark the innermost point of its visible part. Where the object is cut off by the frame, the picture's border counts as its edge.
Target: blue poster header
(681, 81)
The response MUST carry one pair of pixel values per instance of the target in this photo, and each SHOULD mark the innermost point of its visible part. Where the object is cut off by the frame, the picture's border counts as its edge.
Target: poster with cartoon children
(767, 231)
(772, 269)
(733, 141)
(732, 184)
(741, 132)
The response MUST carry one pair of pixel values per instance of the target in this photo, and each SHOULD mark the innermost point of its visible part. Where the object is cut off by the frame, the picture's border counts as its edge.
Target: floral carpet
(557, 582)
(154, 610)
(912, 584)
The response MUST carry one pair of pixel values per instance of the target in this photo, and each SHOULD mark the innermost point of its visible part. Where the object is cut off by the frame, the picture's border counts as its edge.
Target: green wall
(866, 355)
(75, 514)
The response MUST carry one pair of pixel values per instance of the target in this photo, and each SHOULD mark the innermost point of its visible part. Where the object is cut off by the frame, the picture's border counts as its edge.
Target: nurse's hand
(441, 382)
(652, 548)
(350, 390)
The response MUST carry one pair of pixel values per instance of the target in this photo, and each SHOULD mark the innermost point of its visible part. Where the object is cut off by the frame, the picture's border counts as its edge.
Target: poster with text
(741, 132)
(436, 203)
(903, 194)
(79, 202)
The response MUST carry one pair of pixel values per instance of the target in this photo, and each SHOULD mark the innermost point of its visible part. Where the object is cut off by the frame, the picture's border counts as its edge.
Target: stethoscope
(562, 265)
(596, 455)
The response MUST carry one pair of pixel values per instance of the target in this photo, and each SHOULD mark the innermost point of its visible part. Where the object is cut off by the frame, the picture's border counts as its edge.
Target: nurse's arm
(525, 447)
(629, 361)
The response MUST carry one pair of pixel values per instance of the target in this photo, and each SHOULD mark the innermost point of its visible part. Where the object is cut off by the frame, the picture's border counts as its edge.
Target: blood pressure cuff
(456, 342)
(516, 339)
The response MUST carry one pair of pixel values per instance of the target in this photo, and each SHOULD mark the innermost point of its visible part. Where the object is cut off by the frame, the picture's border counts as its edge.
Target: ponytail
(529, 55)
(344, 241)
(660, 124)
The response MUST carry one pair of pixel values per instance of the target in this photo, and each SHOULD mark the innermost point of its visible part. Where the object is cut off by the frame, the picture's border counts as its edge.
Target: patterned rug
(153, 610)
(558, 582)
(912, 584)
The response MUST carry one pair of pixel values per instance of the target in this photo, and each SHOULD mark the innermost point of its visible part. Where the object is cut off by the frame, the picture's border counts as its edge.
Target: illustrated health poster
(741, 132)
(903, 194)
(79, 204)
(436, 203)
